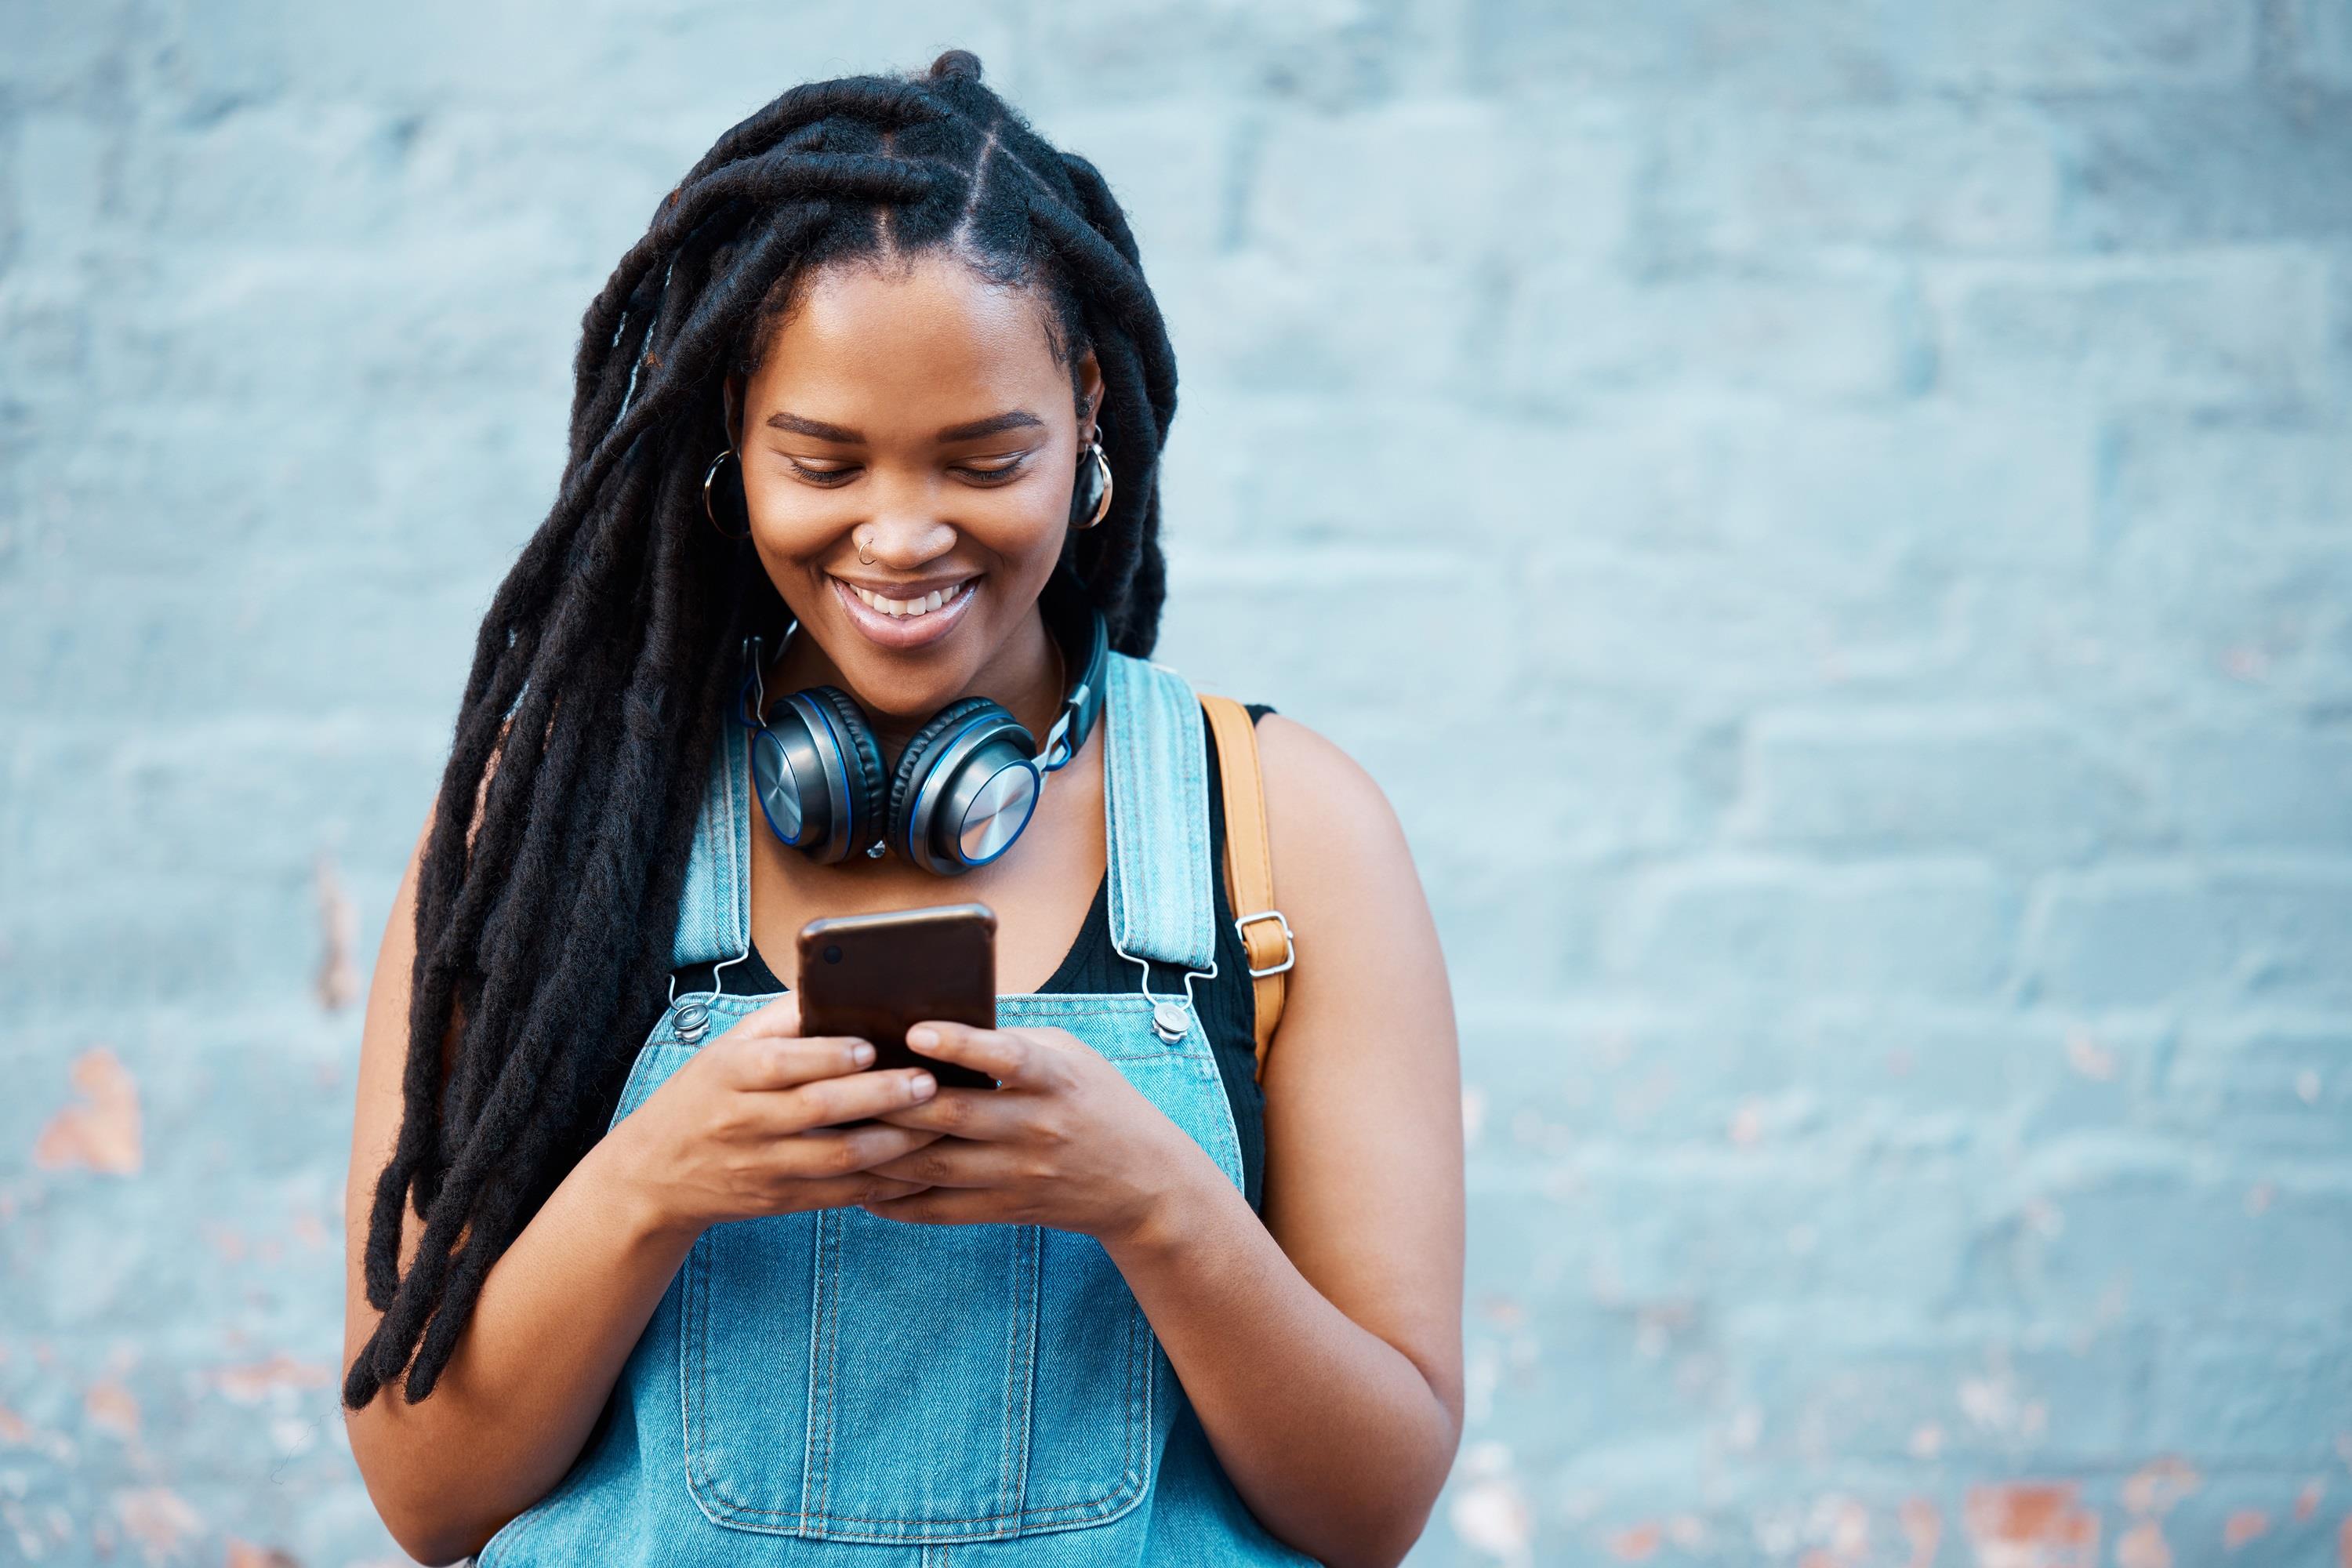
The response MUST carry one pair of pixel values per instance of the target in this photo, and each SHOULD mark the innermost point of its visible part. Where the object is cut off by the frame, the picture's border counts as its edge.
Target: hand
(1063, 1139)
(744, 1128)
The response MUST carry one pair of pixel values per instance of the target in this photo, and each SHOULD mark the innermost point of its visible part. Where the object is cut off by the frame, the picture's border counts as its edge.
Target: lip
(904, 631)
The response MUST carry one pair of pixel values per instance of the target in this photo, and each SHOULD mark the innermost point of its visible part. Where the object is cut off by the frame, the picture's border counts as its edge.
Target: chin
(907, 682)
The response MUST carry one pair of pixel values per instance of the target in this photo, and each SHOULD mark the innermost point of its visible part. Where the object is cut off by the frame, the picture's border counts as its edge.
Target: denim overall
(836, 1390)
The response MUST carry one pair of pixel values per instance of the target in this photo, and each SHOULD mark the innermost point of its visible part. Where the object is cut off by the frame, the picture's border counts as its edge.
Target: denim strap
(1156, 786)
(715, 904)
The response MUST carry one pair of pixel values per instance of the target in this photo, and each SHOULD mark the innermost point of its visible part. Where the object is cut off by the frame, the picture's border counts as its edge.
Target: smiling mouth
(913, 608)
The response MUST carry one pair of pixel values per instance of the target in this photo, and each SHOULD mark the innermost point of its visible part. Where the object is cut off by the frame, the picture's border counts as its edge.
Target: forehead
(883, 344)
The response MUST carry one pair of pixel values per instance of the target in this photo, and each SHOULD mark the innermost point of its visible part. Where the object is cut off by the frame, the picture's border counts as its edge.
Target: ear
(731, 393)
(1090, 393)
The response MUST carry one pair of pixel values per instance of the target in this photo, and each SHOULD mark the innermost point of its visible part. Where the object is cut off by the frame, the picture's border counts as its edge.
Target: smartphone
(877, 976)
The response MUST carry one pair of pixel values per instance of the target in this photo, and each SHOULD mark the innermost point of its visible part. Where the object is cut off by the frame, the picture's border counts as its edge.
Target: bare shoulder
(1320, 803)
(1344, 877)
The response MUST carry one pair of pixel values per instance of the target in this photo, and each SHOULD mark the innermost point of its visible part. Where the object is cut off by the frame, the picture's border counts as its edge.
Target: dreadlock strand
(1101, 210)
(460, 919)
(613, 876)
(580, 773)
(879, 102)
(573, 761)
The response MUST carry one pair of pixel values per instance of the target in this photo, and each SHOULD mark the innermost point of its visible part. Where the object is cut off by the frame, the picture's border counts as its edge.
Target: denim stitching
(1128, 1476)
(809, 1464)
(832, 1362)
(1017, 1479)
(1011, 1366)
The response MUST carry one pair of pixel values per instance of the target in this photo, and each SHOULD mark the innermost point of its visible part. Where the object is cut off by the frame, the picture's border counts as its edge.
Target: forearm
(557, 1318)
(1334, 1437)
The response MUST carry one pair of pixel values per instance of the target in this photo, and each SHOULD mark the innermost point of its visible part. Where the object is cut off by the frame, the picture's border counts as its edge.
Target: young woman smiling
(866, 440)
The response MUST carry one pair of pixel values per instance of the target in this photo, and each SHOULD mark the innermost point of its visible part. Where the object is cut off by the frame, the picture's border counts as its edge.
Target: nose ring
(862, 555)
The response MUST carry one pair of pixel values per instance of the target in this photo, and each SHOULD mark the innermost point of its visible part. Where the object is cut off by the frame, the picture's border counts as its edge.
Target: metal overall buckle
(1171, 1019)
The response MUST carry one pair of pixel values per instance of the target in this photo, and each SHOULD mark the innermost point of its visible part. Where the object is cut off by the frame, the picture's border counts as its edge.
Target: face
(921, 412)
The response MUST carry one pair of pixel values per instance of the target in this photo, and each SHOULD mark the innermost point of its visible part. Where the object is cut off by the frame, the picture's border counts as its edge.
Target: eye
(996, 473)
(828, 476)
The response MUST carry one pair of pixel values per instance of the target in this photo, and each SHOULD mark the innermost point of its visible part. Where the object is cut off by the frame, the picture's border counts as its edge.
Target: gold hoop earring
(709, 475)
(1102, 477)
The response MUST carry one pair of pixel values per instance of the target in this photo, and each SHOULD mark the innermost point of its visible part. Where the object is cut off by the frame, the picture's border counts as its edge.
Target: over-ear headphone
(964, 787)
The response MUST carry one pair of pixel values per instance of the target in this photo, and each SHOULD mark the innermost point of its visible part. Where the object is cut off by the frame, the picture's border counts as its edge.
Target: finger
(1004, 1054)
(983, 1115)
(779, 1019)
(843, 1192)
(953, 1163)
(784, 1063)
(854, 1096)
(940, 1205)
(848, 1151)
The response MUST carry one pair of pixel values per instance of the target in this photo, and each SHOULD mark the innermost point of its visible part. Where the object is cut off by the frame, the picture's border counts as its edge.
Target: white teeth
(907, 608)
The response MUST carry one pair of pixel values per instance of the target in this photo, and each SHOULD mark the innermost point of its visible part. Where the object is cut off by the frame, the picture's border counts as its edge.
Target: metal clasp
(1289, 944)
(1171, 1019)
(691, 1018)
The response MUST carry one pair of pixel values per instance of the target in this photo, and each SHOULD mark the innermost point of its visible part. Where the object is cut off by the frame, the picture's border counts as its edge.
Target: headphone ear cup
(914, 762)
(861, 760)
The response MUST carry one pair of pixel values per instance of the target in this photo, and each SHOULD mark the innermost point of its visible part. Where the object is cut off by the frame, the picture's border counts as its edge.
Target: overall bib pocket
(851, 1378)
(846, 1377)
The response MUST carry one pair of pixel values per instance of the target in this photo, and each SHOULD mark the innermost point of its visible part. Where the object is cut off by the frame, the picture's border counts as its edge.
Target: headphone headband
(1088, 635)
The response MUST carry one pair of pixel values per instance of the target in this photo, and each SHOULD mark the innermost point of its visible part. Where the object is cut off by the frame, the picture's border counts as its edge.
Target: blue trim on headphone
(915, 785)
(757, 735)
(842, 750)
(1036, 795)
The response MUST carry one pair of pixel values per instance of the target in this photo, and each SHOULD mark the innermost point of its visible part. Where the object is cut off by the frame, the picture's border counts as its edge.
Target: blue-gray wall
(1831, 520)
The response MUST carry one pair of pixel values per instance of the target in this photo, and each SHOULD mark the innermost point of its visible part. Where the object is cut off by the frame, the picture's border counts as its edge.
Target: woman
(662, 1280)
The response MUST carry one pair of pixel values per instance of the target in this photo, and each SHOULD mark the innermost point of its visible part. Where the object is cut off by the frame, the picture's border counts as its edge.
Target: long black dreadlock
(544, 925)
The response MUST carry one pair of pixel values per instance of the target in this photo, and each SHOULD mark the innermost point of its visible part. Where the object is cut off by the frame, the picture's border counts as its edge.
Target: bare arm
(1323, 1348)
(564, 1306)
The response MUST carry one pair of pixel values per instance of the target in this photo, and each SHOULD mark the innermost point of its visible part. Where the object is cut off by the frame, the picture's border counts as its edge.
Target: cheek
(1026, 522)
(790, 519)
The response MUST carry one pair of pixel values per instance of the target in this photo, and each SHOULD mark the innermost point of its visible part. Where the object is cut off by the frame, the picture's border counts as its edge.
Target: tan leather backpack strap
(1249, 862)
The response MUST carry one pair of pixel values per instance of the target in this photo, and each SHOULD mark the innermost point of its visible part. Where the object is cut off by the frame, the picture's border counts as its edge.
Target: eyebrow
(1010, 419)
(800, 425)
(995, 423)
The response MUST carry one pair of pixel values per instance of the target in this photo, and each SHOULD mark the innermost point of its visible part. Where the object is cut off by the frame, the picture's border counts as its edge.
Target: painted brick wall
(1831, 520)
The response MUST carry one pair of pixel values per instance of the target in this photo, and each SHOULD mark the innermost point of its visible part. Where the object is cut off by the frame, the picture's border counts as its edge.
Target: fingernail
(861, 1053)
(922, 1085)
(922, 1037)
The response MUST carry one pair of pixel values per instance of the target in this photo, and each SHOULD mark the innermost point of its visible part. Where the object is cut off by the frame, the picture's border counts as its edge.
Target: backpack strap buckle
(1263, 948)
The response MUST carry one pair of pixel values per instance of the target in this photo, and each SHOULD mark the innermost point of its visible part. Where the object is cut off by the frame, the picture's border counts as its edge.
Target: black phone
(875, 976)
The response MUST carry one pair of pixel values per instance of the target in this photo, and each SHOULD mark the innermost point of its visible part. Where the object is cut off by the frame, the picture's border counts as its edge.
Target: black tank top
(1227, 1004)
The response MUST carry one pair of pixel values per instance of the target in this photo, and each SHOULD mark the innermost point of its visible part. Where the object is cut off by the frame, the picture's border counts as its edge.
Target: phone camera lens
(833, 954)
